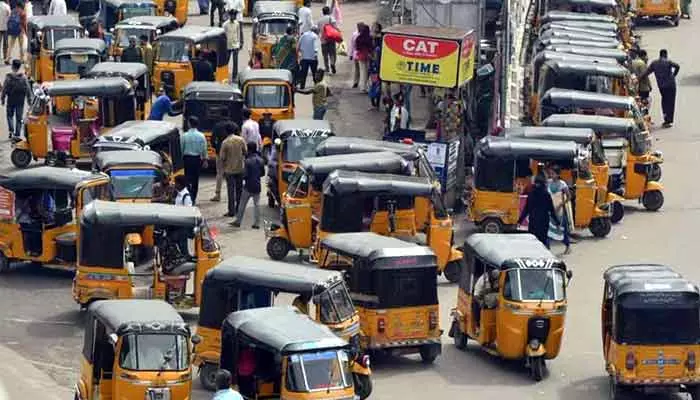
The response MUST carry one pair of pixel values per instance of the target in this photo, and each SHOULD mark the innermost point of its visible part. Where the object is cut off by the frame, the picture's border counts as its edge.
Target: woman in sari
(285, 52)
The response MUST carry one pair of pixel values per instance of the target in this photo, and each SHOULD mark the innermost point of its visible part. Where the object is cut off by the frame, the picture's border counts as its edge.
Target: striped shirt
(194, 144)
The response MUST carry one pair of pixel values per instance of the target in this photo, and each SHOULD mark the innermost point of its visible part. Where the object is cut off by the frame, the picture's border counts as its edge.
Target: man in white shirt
(58, 7)
(250, 131)
(305, 19)
(4, 15)
(183, 197)
(233, 40)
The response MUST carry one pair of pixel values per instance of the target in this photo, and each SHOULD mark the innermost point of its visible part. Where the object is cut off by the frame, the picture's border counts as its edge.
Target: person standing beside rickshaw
(232, 156)
(220, 132)
(557, 185)
(254, 170)
(320, 93)
(147, 54)
(4, 16)
(309, 55)
(132, 53)
(16, 30)
(233, 41)
(284, 53)
(250, 130)
(194, 154)
(665, 72)
(638, 66)
(538, 209)
(484, 288)
(15, 91)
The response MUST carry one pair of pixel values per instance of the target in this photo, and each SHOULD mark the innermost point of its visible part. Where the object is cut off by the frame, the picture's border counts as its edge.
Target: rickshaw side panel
(504, 206)
(402, 324)
(511, 331)
(299, 216)
(182, 72)
(209, 349)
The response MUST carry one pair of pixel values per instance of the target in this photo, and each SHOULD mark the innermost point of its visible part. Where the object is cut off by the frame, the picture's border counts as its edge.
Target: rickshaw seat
(184, 268)
(67, 238)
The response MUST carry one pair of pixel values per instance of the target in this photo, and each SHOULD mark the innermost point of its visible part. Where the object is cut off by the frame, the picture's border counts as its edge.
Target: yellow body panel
(38, 134)
(182, 72)
(278, 114)
(129, 385)
(646, 369)
(45, 65)
(504, 206)
(636, 184)
(400, 325)
(663, 8)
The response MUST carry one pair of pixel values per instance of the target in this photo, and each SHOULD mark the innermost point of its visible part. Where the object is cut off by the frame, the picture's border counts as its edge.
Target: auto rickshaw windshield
(653, 318)
(324, 370)
(274, 27)
(210, 112)
(54, 35)
(138, 11)
(299, 147)
(533, 284)
(173, 50)
(133, 183)
(73, 63)
(154, 352)
(335, 305)
(267, 96)
(640, 142)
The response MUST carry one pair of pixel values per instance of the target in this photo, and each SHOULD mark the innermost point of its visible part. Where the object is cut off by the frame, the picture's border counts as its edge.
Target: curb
(19, 378)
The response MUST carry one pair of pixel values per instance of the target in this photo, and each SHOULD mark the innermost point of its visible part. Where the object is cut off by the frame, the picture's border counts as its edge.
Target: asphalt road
(39, 320)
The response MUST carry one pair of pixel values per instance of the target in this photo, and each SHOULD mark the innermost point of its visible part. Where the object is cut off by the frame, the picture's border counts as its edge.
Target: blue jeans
(14, 112)
(319, 112)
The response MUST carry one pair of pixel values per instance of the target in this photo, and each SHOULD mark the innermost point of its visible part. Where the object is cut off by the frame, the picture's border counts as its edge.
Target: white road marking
(39, 321)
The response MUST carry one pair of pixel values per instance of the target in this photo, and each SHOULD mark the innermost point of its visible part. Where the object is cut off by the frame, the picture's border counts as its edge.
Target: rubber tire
(653, 200)
(460, 338)
(4, 263)
(207, 376)
(654, 173)
(453, 270)
(277, 248)
(537, 368)
(600, 227)
(614, 390)
(618, 212)
(363, 385)
(491, 225)
(428, 354)
(21, 158)
(694, 392)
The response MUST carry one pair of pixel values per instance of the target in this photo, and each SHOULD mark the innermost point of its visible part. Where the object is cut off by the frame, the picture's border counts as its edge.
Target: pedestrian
(353, 58)
(147, 53)
(250, 130)
(232, 155)
(194, 154)
(257, 61)
(58, 7)
(217, 6)
(306, 21)
(685, 9)
(203, 69)
(233, 41)
(161, 106)
(16, 30)
(638, 66)
(284, 52)
(538, 209)
(320, 93)
(132, 53)
(398, 116)
(377, 34)
(182, 196)
(223, 387)
(558, 185)
(15, 91)
(95, 31)
(203, 7)
(219, 133)
(375, 84)
(327, 43)
(665, 72)
(451, 124)
(363, 53)
(4, 16)
(307, 49)
(254, 171)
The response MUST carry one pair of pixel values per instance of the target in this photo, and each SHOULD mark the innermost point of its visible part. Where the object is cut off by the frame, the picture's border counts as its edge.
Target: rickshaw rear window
(71, 64)
(658, 325)
(267, 96)
(57, 34)
(274, 26)
(133, 184)
(406, 288)
(172, 50)
(138, 11)
(534, 285)
(318, 371)
(299, 147)
(494, 174)
(126, 32)
(154, 352)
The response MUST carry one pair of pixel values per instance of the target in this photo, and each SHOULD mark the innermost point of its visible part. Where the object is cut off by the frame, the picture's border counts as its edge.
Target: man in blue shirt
(194, 154)
(308, 51)
(161, 106)
(223, 387)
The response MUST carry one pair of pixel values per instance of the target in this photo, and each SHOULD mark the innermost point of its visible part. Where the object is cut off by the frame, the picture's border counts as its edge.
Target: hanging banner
(419, 60)
(467, 58)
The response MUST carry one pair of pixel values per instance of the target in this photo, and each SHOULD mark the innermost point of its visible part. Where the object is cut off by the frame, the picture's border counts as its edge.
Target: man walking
(4, 16)
(327, 44)
(539, 208)
(307, 49)
(232, 155)
(306, 21)
(233, 41)
(15, 91)
(58, 7)
(217, 6)
(250, 131)
(194, 155)
(16, 29)
(220, 132)
(319, 95)
(254, 171)
(665, 72)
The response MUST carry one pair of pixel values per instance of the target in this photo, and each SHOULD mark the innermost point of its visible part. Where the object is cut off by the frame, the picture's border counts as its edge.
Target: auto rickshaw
(566, 101)
(160, 136)
(394, 287)
(621, 56)
(548, 43)
(635, 170)
(43, 31)
(650, 330)
(97, 105)
(73, 58)
(522, 317)
(135, 349)
(669, 10)
(136, 176)
(256, 283)
(137, 74)
(268, 91)
(114, 11)
(294, 356)
(211, 102)
(176, 51)
(503, 170)
(586, 34)
(302, 204)
(150, 26)
(298, 139)
(108, 271)
(270, 22)
(50, 237)
(173, 8)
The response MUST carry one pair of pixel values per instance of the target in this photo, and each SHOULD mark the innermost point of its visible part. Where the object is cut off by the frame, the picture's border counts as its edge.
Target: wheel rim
(491, 227)
(278, 247)
(21, 157)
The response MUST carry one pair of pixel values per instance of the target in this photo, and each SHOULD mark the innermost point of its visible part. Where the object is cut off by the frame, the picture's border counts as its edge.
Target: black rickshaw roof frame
(302, 127)
(54, 21)
(589, 68)
(366, 162)
(99, 87)
(335, 145)
(520, 148)
(116, 214)
(140, 133)
(346, 183)
(212, 91)
(47, 178)
(595, 52)
(374, 247)
(511, 251)
(123, 317)
(117, 69)
(599, 123)
(557, 15)
(106, 160)
(581, 98)
(80, 45)
(147, 21)
(582, 136)
(193, 33)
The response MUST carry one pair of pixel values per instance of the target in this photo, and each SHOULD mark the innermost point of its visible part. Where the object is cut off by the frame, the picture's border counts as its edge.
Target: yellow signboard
(419, 60)
(466, 58)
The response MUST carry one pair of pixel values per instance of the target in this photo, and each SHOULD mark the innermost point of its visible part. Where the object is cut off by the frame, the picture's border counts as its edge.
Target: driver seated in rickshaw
(174, 251)
(486, 293)
(301, 302)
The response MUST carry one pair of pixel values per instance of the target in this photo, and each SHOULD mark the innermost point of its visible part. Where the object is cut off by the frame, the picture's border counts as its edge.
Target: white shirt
(58, 7)
(305, 19)
(233, 34)
(235, 5)
(250, 132)
(483, 285)
(183, 198)
(4, 16)
(400, 113)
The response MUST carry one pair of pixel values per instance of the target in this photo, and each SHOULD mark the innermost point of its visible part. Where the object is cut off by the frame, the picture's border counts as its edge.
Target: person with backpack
(16, 29)
(254, 170)
(15, 91)
(183, 197)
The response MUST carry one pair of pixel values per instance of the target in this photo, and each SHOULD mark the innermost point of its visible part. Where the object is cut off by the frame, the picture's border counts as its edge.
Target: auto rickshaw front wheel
(363, 385)
(491, 225)
(452, 271)
(600, 227)
(207, 376)
(21, 158)
(653, 200)
(654, 173)
(537, 368)
(618, 212)
(277, 248)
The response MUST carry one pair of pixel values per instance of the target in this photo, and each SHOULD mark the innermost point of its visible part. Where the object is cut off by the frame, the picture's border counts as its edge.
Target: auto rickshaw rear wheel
(277, 248)
(452, 270)
(21, 158)
(428, 354)
(600, 227)
(363, 385)
(618, 212)
(653, 200)
(207, 376)
(491, 225)
(537, 368)
(4, 263)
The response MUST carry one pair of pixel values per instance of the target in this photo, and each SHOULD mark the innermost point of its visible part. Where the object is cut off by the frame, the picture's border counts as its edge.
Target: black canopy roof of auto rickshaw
(105, 160)
(594, 25)
(372, 247)
(54, 21)
(582, 136)
(366, 162)
(138, 316)
(506, 251)
(603, 44)
(592, 3)
(146, 21)
(99, 87)
(194, 33)
(593, 35)
(599, 123)
(46, 178)
(648, 285)
(274, 75)
(280, 8)
(119, 69)
(343, 183)
(581, 98)
(211, 91)
(638, 271)
(274, 275)
(80, 44)
(547, 55)
(302, 127)
(282, 329)
(116, 214)
(521, 148)
(595, 52)
(588, 68)
(353, 145)
(557, 15)
(140, 132)
(122, 3)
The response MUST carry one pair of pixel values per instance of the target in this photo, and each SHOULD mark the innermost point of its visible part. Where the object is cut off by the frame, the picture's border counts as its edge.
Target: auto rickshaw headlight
(534, 344)
(630, 361)
(658, 153)
(278, 142)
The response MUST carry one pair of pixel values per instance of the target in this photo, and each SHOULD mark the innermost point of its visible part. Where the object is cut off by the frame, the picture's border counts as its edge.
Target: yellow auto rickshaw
(43, 32)
(97, 105)
(294, 356)
(621, 56)
(173, 8)
(47, 237)
(108, 271)
(650, 330)
(635, 169)
(393, 284)
(176, 51)
(136, 176)
(150, 26)
(594, 15)
(111, 12)
(503, 172)
(241, 283)
(669, 10)
(135, 349)
(270, 22)
(268, 91)
(137, 74)
(511, 299)
(73, 58)
(565, 101)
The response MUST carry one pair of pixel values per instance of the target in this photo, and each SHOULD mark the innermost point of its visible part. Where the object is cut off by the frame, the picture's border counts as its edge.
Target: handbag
(332, 34)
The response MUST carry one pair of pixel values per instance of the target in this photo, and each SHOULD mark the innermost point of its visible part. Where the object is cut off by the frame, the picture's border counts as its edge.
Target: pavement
(21, 379)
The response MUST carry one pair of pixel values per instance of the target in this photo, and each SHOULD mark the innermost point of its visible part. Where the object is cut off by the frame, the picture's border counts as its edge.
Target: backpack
(15, 86)
(14, 24)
